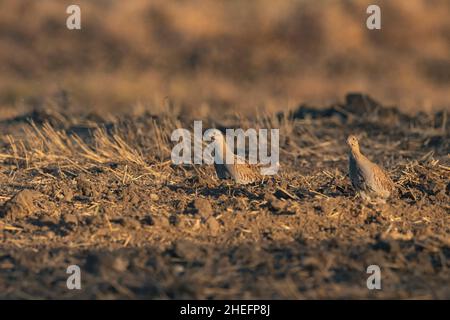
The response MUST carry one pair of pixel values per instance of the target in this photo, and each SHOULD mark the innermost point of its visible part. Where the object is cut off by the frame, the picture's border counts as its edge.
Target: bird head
(216, 135)
(353, 143)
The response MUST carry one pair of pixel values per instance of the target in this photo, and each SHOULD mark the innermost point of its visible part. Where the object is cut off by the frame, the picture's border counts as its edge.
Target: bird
(240, 170)
(369, 180)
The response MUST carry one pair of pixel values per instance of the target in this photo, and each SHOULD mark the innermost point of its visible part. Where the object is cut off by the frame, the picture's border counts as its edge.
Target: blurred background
(222, 55)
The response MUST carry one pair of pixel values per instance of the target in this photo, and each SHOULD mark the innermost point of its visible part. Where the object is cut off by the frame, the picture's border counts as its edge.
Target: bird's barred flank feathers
(245, 173)
(241, 173)
(368, 179)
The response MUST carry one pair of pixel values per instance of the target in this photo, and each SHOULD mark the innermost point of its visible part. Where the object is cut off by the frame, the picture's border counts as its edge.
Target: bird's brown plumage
(240, 171)
(368, 179)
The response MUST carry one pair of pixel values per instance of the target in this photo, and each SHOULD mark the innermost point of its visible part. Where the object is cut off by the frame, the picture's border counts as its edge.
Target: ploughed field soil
(102, 193)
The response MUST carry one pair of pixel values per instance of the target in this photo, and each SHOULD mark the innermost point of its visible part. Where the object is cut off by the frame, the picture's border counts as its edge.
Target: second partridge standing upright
(369, 180)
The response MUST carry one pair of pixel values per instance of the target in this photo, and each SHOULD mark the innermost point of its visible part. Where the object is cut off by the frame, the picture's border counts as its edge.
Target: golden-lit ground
(104, 194)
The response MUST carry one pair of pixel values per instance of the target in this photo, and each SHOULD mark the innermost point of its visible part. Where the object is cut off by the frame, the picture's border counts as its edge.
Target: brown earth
(103, 194)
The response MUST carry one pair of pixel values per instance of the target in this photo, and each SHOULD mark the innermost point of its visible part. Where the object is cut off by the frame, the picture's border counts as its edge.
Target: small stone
(178, 269)
(148, 220)
(173, 220)
(6, 262)
(84, 186)
(160, 220)
(213, 225)
(48, 221)
(106, 264)
(203, 207)
(120, 264)
(68, 194)
(275, 204)
(154, 197)
(50, 234)
(130, 222)
(70, 219)
(135, 199)
(188, 250)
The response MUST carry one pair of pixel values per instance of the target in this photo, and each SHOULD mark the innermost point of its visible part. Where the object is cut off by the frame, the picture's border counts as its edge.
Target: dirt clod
(70, 219)
(21, 204)
(154, 197)
(187, 250)
(203, 207)
(213, 225)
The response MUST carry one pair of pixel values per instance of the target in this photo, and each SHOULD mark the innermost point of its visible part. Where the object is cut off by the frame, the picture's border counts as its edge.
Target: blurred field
(227, 55)
(86, 176)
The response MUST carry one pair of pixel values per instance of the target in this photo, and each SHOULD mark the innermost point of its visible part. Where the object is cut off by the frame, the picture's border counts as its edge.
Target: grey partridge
(368, 179)
(241, 172)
